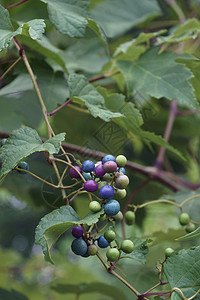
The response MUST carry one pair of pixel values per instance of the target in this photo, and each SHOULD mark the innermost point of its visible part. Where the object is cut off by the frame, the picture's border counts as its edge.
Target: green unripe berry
(168, 252)
(107, 177)
(118, 217)
(113, 254)
(120, 194)
(92, 249)
(94, 206)
(121, 160)
(184, 219)
(102, 217)
(109, 235)
(190, 228)
(130, 217)
(127, 246)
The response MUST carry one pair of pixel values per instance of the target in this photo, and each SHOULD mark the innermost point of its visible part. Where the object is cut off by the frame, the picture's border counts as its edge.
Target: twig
(58, 108)
(10, 68)
(16, 4)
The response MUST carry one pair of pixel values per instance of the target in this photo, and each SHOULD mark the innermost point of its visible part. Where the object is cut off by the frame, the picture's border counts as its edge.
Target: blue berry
(111, 208)
(87, 176)
(86, 254)
(88, 166)
(77, 232)
(102, 242)
(108, 157)
(24, 166)
(122, 170)
(91, 186)
(79, 246)
(73, 173)
(106, 192)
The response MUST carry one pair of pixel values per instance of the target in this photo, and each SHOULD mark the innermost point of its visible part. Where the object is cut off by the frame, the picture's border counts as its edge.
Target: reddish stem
(21, 49)
(187, 112)
(16, 4)
(151, 294)
(172, 114)
(97, 78)
(58, 108)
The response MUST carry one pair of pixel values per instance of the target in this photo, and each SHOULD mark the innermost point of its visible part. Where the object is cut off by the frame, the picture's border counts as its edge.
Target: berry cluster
(108, 179)
(84, 244)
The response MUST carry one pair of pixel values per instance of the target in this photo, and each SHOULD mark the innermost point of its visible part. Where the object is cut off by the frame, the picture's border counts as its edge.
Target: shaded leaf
(10, 295)
(193, 235)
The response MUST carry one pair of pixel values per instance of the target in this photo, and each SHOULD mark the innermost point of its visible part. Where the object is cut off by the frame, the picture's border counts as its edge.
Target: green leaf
(69, 16)
(83, 92)
(182, 270)
(98, 30)
(20, 84)
(87, 288)
(10, 295)
(5, 22)
(159, 76)
(193, 235)
(23, 142)
(118, 16)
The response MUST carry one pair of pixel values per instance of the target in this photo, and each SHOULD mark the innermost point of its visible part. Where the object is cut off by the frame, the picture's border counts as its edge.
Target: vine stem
(159, 201)
(172, 114)
(10, 68)
(16, 4)
(43, 107)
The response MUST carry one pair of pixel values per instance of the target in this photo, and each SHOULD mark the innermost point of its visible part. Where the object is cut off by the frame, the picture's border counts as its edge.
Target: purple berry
(77, 232)
(106, 192)
(111, 208)
(88, 166)
(91, 186)
(108, 157)
(102, 242)
(110, 166)
(73, 173)
(99, 171)
(79, 246)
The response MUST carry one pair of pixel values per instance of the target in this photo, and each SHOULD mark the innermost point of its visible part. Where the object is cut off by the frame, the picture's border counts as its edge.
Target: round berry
(88, 166)
(118, 217)
(77, 232)
(109, 235)
(107, 177)
(168, 252)
(79, 246)
(86, 254)
(92, 250)
(108, 157)
(94, 206)
(130, 217)
(121, 181)
(190, 228)
(101, 184)
(113, 254)
(99, 171)
(102, 242)
(184, 219)
(122, 170)
(120, 194)
(3, 142)
(24, 166)
(121, 160)
(73, 173)
(98, 163)
(91, 186)
(111, 208)
(87, 176)
(106, 192)
(127, 246)
(110, 167)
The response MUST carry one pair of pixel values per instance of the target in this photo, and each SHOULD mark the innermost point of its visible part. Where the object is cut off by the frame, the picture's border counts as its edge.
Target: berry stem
(16, 4)
(151, 294)
(58, 108)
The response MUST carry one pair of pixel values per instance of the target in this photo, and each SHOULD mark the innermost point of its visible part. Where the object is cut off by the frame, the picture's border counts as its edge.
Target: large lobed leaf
(182, 270)
(23, 142)
(159, 76)
(69, 16)
(56, 223)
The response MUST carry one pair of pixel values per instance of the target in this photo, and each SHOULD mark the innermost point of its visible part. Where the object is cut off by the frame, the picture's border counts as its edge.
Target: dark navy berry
(87, 176)
(122, 170)
(110, 166)
(79, 246)
(106, 192)
(91, 186)
(102, 242)
(99, 171)
(77, 232)
(108, 157)
(88, 166)
(73, 173)
(24, 166)
(111, 208)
